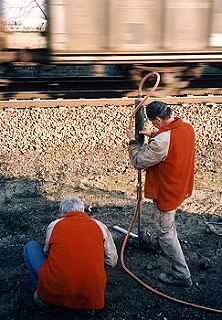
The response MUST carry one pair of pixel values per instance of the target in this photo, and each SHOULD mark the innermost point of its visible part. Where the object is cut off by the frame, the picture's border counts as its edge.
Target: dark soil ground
(25, 213)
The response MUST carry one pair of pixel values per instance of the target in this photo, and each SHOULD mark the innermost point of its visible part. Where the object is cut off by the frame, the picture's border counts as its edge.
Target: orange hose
(149, 75)
(135, 216)
(147, 286)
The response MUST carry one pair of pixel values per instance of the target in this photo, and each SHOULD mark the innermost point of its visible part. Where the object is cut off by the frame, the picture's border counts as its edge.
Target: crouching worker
(168, 158)
(69, 272)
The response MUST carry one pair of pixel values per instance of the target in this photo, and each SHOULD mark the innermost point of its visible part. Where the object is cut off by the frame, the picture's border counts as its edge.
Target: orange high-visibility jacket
(73, 274)
(171, 180)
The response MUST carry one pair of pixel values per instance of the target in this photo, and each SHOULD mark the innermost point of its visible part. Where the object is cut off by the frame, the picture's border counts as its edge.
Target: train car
(170, 36)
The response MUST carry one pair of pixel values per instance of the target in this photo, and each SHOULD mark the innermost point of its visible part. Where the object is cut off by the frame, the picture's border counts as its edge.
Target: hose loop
(142, 102)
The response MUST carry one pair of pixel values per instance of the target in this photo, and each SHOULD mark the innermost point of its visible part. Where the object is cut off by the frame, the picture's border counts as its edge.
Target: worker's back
(73, 274)
(171, 181)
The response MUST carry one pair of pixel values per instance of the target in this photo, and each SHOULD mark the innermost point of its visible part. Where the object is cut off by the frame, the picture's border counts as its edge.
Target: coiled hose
(137, 209)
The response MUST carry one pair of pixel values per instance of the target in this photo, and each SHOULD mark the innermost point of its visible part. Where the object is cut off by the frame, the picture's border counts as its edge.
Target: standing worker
(169, 162)
(69, 272)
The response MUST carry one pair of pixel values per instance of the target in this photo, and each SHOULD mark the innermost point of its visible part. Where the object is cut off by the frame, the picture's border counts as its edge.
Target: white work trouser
(166, 234)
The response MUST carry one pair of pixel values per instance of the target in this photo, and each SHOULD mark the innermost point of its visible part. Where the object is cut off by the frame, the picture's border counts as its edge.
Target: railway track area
(69, 87)
(125, 101)
(92, 87)
(70, 73)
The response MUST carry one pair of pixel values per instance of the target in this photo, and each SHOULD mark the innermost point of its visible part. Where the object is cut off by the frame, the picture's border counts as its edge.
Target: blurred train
(174, 37)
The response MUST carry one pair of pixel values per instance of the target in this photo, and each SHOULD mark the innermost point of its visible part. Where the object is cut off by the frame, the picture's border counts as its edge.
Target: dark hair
(158, 109)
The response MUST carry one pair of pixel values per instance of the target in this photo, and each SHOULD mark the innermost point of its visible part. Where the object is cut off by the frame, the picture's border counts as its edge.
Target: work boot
(171, 280)
(149, 242)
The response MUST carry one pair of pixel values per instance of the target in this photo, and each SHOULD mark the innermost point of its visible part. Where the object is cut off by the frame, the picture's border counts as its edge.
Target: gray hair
(71, 204)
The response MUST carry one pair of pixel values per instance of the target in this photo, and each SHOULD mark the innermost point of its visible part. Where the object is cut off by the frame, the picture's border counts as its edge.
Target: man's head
(71, 204)
(159, 113)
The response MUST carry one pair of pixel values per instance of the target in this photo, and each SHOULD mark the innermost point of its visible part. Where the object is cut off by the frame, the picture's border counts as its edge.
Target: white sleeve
(152, 153)
(48, 234)
(111, 256)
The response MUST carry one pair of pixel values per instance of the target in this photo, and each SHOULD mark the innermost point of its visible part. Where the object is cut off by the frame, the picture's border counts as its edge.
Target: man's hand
(148, 132)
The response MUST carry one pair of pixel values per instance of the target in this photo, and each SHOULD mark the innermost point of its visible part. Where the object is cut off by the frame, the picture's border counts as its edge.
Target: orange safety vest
(171, 181)
(73, 274)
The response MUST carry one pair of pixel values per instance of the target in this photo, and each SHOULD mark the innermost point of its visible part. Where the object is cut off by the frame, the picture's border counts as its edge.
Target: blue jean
(34, 258)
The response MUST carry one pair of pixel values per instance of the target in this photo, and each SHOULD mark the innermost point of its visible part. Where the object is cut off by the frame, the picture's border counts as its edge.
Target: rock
(204, 263)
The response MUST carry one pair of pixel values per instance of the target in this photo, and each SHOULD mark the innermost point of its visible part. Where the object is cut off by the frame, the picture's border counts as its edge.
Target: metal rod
(139, 198)
(124, 231)
(217, 223)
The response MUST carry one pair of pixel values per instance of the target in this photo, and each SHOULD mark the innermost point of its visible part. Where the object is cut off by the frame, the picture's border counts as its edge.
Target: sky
(25, 14)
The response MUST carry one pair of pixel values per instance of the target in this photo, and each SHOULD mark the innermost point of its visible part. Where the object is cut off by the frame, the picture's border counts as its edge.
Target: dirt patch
(26, 211)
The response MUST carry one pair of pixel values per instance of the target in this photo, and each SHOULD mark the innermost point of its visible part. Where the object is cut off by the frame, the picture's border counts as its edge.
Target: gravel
(72, 146)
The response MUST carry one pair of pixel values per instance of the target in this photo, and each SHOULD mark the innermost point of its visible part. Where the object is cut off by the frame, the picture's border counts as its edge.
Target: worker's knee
(167, 223)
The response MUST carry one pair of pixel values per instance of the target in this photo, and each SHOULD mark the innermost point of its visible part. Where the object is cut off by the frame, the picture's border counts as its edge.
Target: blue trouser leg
(34, 258)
